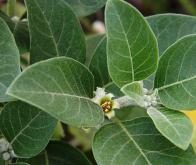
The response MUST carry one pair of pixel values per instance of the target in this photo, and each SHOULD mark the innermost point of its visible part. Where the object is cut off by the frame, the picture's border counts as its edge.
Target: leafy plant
(127, 88)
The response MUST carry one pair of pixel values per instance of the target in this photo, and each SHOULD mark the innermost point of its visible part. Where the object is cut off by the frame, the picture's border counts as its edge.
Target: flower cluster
(6, 151)
(150, 99)
(105, 100)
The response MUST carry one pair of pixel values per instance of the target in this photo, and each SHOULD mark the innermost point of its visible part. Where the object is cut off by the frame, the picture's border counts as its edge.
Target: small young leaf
(131, 45)
(26, 128)
(20, 31)
(60, 153)
(176, 75)
(61, 87)
(168, 28)
(137, 142)
(55, 31)
(85, 7)
(174, 125)
(9, 60)
(135, 91)
(98, 64)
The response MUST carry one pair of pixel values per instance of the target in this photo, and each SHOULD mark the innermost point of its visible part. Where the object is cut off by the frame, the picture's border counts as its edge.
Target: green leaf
(137, 142)
(61, 87)
(168, 28)
(130, 113)
(60, 153)
(20, 31)
(55, 31)
(98, 64)
(114, 89)
(135, 91)
(9, 60)
(174, 125)
(149, 82)
(91, 43)
(131, 45)
(85, 7)
(67, 153)
(176, 75)
(26, 128)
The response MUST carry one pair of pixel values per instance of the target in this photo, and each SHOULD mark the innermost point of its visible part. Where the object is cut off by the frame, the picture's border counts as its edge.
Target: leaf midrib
(129, 48)
(134, 142)
(49, 93)
(176, 83)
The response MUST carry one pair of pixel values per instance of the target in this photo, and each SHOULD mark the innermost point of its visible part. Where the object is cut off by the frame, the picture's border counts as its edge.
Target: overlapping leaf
(9, 60)
(176, 75)
(61, 87)
(20, 31)
(91, 44)
(85, 7)
(54, 30)
(168, 28)
(137, 142)
(131, 47)
(60, 153)
(98, 65)
(174, 125)
(26, 128)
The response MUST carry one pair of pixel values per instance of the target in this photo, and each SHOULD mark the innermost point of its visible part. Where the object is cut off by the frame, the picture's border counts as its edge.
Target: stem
(11, 7)
(125, 101)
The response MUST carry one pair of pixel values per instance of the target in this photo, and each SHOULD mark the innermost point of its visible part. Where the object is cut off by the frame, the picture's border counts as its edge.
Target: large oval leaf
(9, 60)
(54, 30)
(60, 153)
(131, 47)
(26, 128)
(174, 125)
(61, 87)
(176, 75)
(168, 28)
(85, 7)
(137, 142)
